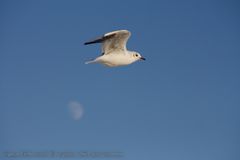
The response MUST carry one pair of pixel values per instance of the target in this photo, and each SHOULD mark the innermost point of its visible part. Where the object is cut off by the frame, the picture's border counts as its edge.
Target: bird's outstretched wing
(112, 41)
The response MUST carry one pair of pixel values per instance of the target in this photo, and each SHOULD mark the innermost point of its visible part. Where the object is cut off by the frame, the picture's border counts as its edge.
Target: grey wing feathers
(111, 41)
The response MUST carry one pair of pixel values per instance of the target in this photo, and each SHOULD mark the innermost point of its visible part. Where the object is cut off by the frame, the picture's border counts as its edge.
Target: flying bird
(114, 50)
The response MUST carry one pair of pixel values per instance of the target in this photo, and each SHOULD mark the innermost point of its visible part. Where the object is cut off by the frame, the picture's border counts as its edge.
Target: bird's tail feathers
(91, 61)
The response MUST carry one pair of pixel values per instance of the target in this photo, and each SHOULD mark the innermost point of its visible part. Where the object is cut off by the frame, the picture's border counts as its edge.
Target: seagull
(114, 51)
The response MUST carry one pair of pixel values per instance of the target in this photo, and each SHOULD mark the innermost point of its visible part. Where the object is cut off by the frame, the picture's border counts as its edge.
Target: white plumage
(114, 51)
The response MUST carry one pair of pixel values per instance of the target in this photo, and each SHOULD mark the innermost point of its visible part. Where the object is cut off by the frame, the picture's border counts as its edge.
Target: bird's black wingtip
(92, 42)
(96, 40)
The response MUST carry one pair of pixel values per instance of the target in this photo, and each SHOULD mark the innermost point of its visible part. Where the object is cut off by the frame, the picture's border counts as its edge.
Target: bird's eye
(136, 55)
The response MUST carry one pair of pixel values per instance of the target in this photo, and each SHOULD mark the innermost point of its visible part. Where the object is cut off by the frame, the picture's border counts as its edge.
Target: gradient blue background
(182, 103)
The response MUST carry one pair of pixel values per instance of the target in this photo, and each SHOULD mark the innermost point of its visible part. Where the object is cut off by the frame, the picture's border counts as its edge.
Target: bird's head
(137, 56)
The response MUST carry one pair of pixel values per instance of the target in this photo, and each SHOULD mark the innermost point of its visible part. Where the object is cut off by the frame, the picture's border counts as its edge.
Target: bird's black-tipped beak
(142, 58)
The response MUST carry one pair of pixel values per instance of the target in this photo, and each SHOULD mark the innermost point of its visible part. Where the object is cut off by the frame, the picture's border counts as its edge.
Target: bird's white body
(114, 50)
(115, 59)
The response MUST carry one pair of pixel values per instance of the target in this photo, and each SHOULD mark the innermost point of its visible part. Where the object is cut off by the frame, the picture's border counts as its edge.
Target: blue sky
(182, 103)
